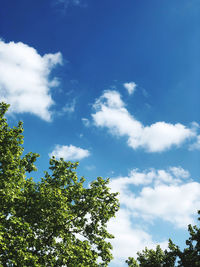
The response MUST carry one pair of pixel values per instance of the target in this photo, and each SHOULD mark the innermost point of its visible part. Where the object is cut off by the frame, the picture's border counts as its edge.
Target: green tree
(190, 256)
(174, 256)
(153, 258)
(54, 222)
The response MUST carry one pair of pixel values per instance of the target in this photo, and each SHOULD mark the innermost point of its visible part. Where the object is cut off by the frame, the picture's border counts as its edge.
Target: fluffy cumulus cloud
(69, 152)
(111, 113)
(161, 194)
(147, 197)
(24, 79)
(130, 87)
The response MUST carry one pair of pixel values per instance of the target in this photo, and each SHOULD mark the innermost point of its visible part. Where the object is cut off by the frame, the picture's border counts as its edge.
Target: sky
(114, 85)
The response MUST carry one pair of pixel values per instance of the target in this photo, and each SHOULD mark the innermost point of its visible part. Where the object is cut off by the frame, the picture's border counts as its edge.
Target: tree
(153, 258)
(54, 222)
(189, 257)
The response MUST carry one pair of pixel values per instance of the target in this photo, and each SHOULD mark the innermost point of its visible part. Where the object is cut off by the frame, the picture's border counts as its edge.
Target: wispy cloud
(90, 167)
(69, 107)
(69, 152)
(130, 87)
(111, 113)
(196, 145)
(24, 79)
(67, 3)
(86, 122)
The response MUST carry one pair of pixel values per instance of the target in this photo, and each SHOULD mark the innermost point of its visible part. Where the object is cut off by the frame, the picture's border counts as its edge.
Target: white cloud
(179, 172)
(110, 112)
(24, 79)
(173, 203)
(69, 152)
(109, 98)
(147, 197)
(129, 238)
(165, 194)
(130, 87)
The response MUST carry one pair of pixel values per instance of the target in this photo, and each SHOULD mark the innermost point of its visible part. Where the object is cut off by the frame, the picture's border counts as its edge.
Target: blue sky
(114, 85)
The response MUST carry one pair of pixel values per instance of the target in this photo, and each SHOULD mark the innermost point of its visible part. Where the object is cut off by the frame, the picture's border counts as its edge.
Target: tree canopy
(59, 222)
(56, 221)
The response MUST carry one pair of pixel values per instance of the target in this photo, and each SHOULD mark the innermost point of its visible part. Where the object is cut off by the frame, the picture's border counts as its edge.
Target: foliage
(153, 258)
(54, 222)
(189, 257)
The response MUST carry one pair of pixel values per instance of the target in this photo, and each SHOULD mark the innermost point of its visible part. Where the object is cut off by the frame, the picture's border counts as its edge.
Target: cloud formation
(130, 87)
(111, 113)
(129, 239)
(147, 197)
(24, 79)
(69, 152)
(163, 194)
